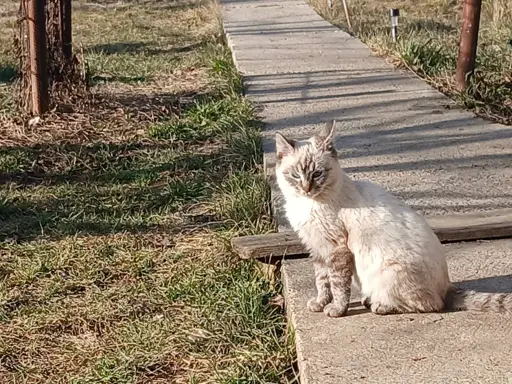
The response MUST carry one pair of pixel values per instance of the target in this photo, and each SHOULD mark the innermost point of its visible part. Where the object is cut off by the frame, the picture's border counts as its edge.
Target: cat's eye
(295, 175)
(317, 174)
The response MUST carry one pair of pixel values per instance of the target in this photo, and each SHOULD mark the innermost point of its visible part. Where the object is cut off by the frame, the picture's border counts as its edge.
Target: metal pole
(65, 29)
(468, 42)
(38, 55)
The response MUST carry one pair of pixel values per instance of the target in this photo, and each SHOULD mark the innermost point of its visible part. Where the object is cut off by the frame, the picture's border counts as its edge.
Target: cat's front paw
(381, 309)
(315, 306)
(333, 310)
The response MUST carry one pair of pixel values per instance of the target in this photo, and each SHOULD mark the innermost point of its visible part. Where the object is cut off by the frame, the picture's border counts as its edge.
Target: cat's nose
(307, 187)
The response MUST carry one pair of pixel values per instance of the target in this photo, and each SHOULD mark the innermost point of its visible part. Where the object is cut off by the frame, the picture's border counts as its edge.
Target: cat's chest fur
(315, 223)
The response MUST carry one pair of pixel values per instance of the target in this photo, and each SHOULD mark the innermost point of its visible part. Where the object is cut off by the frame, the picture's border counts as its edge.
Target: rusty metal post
(65, 29)
(468, 42)
(37, 55)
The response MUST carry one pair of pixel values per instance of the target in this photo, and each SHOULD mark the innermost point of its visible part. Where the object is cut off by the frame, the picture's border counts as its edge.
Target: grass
(429, 32)
(116, 217)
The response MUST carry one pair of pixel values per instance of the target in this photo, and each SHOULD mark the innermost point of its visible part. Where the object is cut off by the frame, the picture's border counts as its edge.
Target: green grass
(429, 32)
(116, 221)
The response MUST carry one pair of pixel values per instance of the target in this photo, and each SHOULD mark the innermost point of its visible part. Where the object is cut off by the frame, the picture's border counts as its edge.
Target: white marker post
(393, 18)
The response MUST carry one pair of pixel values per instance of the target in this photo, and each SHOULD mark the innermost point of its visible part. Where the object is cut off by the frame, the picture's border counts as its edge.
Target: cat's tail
(464, 300)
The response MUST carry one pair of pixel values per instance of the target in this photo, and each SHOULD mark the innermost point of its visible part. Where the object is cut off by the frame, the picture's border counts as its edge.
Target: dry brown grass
(116, 214)
(120, 309)
(144, 60)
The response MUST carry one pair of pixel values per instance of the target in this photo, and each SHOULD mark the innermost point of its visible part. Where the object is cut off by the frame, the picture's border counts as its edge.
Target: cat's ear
(284, 146)
(326, 136)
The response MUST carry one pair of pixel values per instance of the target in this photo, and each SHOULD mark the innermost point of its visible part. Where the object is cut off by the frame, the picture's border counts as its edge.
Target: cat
(359, 233)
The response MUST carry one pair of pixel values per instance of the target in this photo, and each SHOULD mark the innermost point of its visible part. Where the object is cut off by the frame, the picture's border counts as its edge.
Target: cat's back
(387, 235)
(377, 196)
(387, 219)
(383, 202)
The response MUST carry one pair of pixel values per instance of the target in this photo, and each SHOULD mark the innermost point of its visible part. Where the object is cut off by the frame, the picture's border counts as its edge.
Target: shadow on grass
(51, 165)
(151, 4)
(141, 47)
(145, 107)
(88, 208)
(116, 188)
(119, 198)
(8, 73)
(429, 25)
(100, 188)
(99, 79)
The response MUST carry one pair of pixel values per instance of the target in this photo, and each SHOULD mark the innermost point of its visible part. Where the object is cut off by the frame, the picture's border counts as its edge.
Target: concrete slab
(458, 347)
(399, 132)
(393, 128)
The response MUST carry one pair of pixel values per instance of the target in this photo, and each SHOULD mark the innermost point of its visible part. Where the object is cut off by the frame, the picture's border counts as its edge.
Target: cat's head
(307, 167)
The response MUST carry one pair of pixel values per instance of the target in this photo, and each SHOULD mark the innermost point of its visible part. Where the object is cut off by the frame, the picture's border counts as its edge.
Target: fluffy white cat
(355, 230)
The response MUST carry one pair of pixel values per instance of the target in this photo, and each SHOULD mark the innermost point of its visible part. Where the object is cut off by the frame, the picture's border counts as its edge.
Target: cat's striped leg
(340, 267)
(324, 297)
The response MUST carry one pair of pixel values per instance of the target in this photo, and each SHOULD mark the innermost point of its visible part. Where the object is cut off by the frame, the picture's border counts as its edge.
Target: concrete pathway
(399, 132)
(444, 348)
(394, 129)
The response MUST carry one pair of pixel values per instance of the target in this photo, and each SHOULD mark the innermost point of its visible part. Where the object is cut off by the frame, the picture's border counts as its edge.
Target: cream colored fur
(400, 264)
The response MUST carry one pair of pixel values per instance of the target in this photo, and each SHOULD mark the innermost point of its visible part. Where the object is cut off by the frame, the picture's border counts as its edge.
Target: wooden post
(65, 29)
(347, 15)
(468, 42)
(37, 55)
